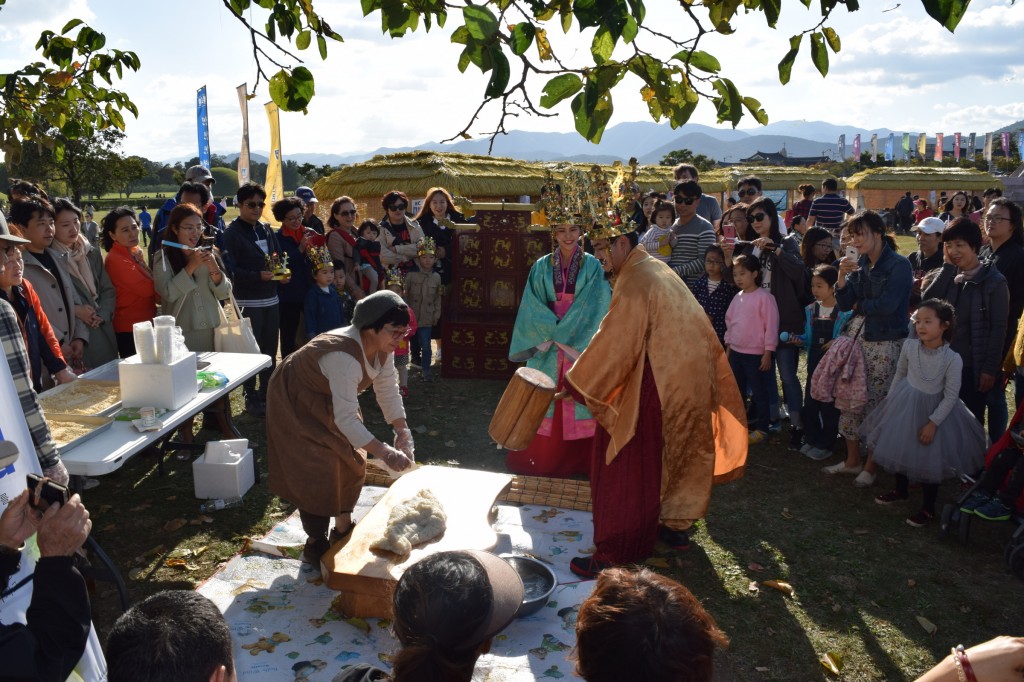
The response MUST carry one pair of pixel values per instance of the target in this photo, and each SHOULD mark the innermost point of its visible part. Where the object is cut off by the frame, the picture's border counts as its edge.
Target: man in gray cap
(310, 203)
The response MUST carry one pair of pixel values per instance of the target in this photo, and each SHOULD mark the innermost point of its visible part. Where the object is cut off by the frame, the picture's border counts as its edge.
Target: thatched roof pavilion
(878, 188)
(772, 177)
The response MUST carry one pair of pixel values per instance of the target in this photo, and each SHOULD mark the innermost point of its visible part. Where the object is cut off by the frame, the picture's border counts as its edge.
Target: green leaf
(629, 30)
(71, 24)
(321, 45)
(480, 21)
(819, 55)
(602, 46)
(700, 60)
(728, 102)
(460, 35)
(522, 37)
(303, 39)
(832, 38)
(946, 12)
(292, 91)
(499, 73)
(591, 112)
(560, 87)
(772, 9)
(786, 65)
(754, 107)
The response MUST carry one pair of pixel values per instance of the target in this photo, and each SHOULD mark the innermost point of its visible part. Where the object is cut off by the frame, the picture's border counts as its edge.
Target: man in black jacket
(51, 641)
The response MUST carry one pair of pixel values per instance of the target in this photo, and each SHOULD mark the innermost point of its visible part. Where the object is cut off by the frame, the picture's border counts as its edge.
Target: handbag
(234, 336)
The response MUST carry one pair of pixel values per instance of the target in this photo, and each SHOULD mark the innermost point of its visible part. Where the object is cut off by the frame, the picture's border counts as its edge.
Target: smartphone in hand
(729, 232)
(43, 492)
(851, 253)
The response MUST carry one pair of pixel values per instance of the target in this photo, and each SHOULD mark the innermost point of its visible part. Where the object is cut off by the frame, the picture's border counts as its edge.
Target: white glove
(395, 462)
(404, 442)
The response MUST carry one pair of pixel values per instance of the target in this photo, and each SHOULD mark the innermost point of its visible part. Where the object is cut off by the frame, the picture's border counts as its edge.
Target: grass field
(861, 576)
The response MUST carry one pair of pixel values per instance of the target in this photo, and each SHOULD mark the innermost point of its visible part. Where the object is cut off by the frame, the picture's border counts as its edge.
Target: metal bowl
(539, 582)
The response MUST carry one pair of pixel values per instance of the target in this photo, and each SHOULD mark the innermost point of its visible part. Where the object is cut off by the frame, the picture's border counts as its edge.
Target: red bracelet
(964, 671)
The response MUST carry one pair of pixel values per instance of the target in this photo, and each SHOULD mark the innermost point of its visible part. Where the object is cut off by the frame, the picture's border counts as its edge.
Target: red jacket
(133, 284)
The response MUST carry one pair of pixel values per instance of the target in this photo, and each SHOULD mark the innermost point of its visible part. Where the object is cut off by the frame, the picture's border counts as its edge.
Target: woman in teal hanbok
(566, 298)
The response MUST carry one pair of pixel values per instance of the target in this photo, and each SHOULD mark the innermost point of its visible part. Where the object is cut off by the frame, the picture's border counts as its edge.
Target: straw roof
(772, 177)
(913, 177)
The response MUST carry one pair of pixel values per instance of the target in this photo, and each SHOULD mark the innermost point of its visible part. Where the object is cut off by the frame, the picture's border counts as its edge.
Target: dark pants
(422, 339)
(998, 414)
(265, 323)
(974, 399)
(125, 344)
(821, 420)
(931, 491)
(1009, 462)
(745, 368)
(290, 312)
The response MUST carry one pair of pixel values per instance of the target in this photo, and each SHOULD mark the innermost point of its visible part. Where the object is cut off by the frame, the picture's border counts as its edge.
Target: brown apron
(312, 464)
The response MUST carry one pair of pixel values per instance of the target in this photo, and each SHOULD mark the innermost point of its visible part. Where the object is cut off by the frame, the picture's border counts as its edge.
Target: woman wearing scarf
(399, 234)
(295, 240)
(132, 278)
(436, 218)
(566, 298)
(94, 292)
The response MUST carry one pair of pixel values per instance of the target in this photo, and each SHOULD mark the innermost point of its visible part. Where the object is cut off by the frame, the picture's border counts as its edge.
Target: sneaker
(806, 448)
(774, 426)
(973, 502)
(865, 479)
(921, 518)
(891, 497)
(756, 437)
(993, 510)
(587, 567)
(818, 454)
(841, 468)
(796, 437)
(676, 539)
(255, 407)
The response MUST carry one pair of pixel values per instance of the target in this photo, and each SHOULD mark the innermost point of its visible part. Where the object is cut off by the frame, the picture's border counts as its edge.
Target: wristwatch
(11, 551)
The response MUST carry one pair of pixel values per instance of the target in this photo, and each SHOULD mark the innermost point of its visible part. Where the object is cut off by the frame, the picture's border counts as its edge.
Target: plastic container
(219, 476)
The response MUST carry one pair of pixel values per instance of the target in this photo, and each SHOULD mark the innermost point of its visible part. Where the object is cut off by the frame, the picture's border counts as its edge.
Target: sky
(897, 69)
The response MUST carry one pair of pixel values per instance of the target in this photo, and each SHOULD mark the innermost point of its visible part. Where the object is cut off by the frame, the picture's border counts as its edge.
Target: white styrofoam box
(225, 451)
(168, 386)
(223, 481)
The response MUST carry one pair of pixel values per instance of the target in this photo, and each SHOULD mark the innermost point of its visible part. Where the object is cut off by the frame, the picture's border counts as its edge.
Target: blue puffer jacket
(880, 293)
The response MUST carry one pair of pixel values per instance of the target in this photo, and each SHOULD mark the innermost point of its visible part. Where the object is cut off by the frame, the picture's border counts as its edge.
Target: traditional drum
(521, 409)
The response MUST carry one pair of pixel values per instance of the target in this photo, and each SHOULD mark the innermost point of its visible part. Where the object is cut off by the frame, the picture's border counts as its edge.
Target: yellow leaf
(831, 662)
(657, 562)
(779, 585)
(174, 524)
(176, 563)
(928, 626)
(543, 44)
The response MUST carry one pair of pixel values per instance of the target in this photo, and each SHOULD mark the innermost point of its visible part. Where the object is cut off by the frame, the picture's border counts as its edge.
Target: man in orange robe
(671, 421)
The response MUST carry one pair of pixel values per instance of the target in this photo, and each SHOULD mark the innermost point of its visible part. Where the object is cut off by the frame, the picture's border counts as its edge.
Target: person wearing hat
(671, 420)
(447, 608)
(316, 439)
(921, 210)
(309, 206)
(13, 342)
(566, 296)
(929, 238)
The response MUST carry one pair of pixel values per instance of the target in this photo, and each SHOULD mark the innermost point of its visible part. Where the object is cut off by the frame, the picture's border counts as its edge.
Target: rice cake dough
(413, 522)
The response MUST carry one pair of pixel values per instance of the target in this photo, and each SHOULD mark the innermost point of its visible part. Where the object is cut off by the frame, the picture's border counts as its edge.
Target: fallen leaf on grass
(786, 515)
(107, 528)
(172, 498)
(155, 550)
(929, 627)
(755, 567)
(174, 524)
(779, 585)
(657, 562)
(178, 563)
(836, 608)
(449, 444)
(831, 662)
(105, 508)
(761, 669)
(911, 582)
(752, 587)
(861, 531)
(141, 507)
(420, 429)
(433, 434)
(135, 573)
(965, 609)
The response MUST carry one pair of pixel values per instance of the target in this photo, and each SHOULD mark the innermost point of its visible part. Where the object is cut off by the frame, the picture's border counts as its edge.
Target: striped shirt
(828, 211)
(17, 358)
(692, 240)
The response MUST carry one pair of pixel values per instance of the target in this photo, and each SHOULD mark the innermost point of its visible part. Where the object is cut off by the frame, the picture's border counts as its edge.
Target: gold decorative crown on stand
(395, 278)
(617, 218)
(319, 258)
(426, 247)
(581, 197)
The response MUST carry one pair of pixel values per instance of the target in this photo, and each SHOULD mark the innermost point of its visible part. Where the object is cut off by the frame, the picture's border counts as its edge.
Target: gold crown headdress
(426, 247)
(319, 258)
(395, 278)
(580, 199)
(619, 204)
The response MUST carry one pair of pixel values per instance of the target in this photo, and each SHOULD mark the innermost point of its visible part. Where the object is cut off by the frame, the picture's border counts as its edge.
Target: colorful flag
(906, 145)
(874, 147)
(243, 155)
(203, 125)
(856, 147)
(938, 146)
(275, 180)
(842, 147)
(956, 147)
(889, 147)
(1020, 145)
(1006, 144)
(922, 145)
(972, 147)
(988, 147)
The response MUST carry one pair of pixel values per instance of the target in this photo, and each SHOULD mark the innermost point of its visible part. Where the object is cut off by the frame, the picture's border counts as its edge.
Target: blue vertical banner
(888, 147)
(1020, 145)
(203, 125)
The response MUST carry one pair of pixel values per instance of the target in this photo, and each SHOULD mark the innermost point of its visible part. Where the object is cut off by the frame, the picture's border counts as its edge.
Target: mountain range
(646, 140)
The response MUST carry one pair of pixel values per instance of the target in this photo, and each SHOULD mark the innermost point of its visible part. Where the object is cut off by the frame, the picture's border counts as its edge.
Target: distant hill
(646, 140)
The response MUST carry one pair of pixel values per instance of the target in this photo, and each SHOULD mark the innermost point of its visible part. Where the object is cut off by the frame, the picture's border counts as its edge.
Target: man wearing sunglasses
(693, 234)
(670, 417)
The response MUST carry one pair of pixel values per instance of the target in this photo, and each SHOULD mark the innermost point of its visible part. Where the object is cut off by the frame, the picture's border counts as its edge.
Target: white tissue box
(168, 386)
(227, 476)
